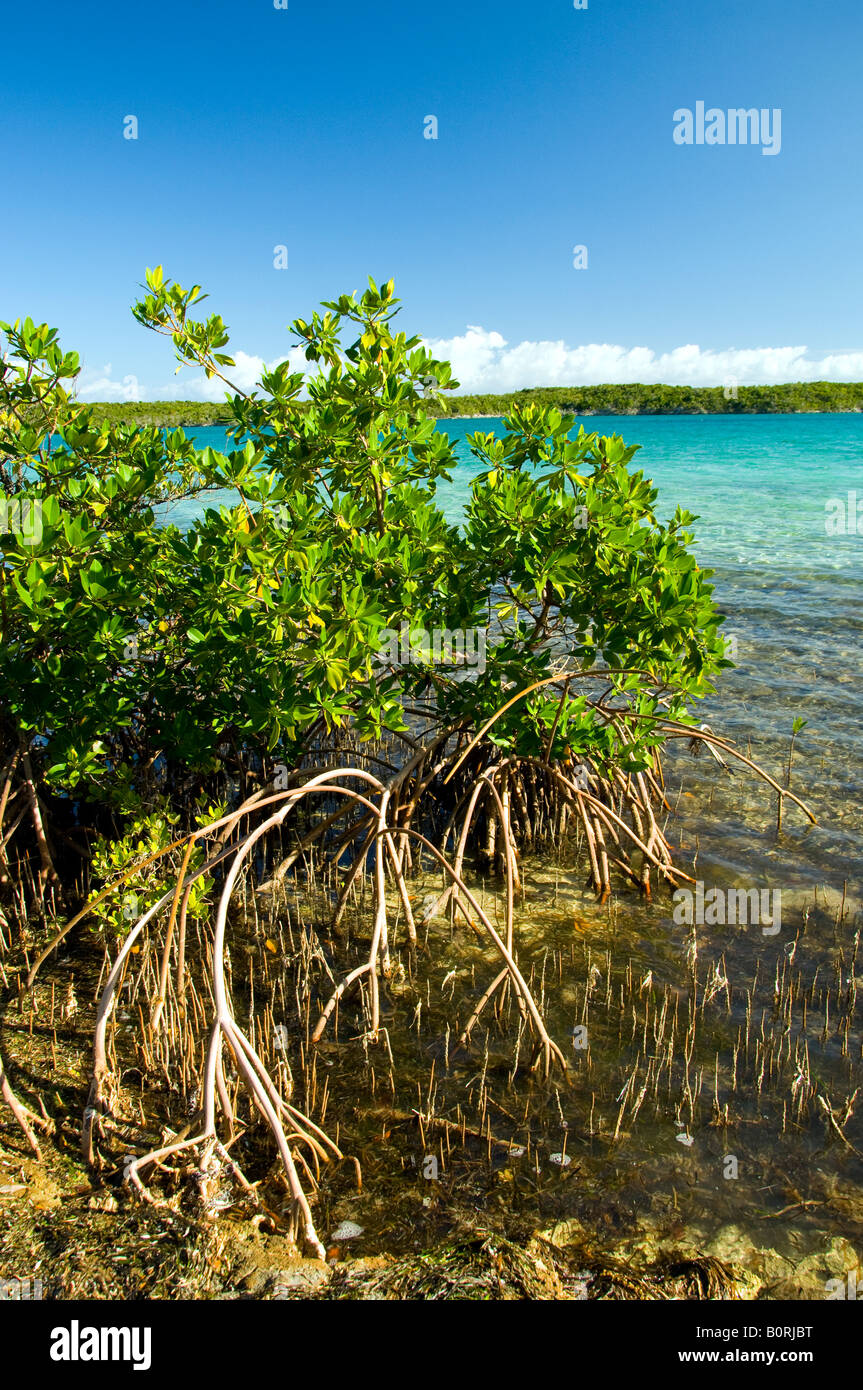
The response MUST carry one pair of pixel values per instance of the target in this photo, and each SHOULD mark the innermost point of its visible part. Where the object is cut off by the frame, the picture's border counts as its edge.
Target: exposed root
(26, 1119)
(505, 804)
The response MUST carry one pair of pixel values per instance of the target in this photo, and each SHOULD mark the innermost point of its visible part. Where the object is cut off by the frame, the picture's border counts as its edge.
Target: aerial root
(383, 828)
(521, 800)
(290, 1129)
(26, 1119)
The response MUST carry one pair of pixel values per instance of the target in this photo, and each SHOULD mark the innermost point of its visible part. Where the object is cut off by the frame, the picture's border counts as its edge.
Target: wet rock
(372, 1264)
(300, 1278)
(564, 1233)
(809, 1279)
(307, 1277)
(760, 1264)
(260, 1265)
(759, 1270)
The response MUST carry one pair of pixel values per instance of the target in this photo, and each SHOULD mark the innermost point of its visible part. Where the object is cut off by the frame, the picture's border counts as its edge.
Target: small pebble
(348, 1230)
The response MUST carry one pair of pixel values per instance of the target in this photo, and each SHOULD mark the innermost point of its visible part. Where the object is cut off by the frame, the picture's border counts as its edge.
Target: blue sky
(303, 127)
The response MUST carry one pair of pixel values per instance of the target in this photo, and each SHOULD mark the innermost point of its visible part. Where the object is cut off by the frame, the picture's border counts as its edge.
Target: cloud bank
(483, 361)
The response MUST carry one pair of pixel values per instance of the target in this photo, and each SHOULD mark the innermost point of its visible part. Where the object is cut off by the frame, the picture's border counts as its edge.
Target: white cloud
(483, 361)
(245, 375)
(99, 385)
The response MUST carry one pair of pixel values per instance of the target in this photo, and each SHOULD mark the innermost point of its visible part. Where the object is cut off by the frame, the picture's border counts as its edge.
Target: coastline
(584, 402)
(185, 424)
(648, 414)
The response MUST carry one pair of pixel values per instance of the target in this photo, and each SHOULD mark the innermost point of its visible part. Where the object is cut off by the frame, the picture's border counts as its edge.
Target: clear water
(793, 595)
(783, 1033)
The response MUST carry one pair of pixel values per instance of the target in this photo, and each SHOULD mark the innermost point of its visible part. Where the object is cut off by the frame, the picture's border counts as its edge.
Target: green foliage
(133, 650)
(145, 841)
(805, 397)
(638, 399)
(569, 533)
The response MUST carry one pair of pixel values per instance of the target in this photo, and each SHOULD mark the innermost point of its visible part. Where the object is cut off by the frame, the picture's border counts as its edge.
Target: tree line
(798, 397)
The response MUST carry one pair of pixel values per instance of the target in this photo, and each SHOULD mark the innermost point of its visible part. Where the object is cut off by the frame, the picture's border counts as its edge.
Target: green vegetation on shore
(799, 397)
(637, 399)
(324, 654)
(168, 414)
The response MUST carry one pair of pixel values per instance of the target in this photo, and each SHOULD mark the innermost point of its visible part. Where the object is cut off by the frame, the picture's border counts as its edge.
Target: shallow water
(768, 1026)
(690, 1118)
(793, 597)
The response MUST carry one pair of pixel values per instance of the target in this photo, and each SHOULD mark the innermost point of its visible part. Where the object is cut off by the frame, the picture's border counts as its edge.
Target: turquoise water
(794, 602)
(758, 482)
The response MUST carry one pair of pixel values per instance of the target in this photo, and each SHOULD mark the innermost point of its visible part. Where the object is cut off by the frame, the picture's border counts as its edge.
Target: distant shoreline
(792, 398)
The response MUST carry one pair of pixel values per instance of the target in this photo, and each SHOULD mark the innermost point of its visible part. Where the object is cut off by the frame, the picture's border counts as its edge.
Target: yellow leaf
(270, 945)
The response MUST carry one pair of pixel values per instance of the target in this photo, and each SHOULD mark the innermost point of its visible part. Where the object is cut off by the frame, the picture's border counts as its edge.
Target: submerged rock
(304, 1277)
(298, 1277)
(727, 1263)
